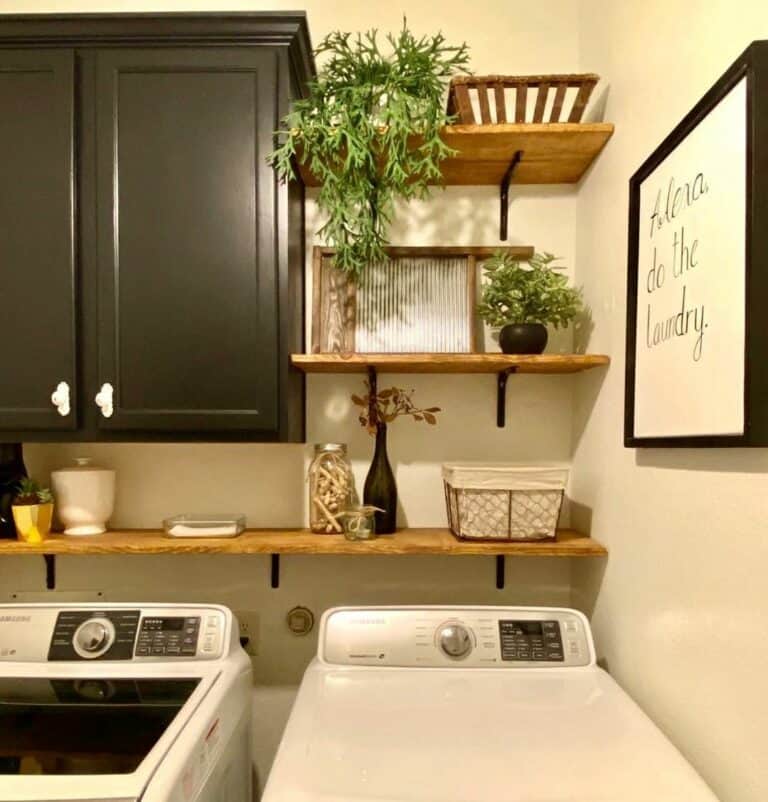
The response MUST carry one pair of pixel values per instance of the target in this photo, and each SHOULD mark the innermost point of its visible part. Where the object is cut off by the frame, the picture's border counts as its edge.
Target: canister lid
(83, 465)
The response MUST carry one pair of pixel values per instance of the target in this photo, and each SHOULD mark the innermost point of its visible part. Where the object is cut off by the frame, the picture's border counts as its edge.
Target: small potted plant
(521, 298)
(376, 411)
(32, 511)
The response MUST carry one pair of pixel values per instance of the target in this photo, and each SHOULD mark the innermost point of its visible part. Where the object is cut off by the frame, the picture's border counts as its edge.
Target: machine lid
(436, 735)
(91, 736)
(84, 726)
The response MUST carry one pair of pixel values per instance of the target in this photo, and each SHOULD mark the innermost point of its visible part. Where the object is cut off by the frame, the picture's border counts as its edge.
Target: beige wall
(267, 482)
(680, 613)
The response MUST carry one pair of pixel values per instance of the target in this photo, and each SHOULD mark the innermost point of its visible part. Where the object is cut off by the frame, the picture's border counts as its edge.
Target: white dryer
(470, 704)
(123, 702)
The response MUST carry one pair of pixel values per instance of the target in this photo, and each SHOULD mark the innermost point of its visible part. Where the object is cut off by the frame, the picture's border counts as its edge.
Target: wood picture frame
(335, 298)
(697, 288)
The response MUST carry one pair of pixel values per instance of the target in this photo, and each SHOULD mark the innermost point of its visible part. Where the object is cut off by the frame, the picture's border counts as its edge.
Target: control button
(93, 637)
(555, 656)
(455, 640)
(173, 650)
(188, 650)
(142, 651)
(213, 622)
(570, 626)
(158, 650)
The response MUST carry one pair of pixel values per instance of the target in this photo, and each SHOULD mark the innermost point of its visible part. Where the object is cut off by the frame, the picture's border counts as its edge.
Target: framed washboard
(420, 301)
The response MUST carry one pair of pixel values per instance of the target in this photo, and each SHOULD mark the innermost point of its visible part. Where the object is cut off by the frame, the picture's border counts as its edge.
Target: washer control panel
(117, 633)
(442, 637)
(531, 640)
(93, 635)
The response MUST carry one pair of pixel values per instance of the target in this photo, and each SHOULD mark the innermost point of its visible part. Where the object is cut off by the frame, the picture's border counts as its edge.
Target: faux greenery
(532, 292)
(370, 132)
(388, 405)
(30, 492)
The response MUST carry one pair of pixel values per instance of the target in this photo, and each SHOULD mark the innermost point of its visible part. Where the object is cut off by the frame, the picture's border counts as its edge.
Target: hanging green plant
(370, 132)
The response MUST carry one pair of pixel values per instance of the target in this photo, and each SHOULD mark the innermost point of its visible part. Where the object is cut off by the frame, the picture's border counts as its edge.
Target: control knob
(93, 637)
(455, 640)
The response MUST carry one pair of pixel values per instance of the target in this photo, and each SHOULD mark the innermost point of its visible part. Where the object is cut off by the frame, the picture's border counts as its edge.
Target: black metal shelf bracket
(504, 194)
(50, 571)
(501, 396)
(501, 570)
(274, 571)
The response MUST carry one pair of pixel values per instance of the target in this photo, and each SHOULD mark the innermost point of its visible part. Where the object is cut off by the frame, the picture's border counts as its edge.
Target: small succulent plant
(30, 492)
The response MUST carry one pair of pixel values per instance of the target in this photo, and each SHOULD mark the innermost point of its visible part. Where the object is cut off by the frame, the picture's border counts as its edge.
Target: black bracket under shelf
(504, 194)
(50, 571)
(274, 571)
(501, 396)
(501, 569)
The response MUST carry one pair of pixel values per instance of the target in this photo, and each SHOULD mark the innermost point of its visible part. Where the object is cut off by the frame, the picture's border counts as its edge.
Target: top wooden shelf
(448, 363)
(552, 153)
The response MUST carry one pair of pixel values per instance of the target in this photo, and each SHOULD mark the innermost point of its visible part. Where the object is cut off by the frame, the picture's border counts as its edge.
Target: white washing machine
(123, 702)
(470, 704)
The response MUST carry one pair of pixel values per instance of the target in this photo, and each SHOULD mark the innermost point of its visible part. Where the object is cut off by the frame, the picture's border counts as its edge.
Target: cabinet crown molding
(288, 29)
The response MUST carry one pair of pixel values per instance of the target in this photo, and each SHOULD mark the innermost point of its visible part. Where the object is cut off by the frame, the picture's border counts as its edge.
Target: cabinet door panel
(186, 243)
(37, 254)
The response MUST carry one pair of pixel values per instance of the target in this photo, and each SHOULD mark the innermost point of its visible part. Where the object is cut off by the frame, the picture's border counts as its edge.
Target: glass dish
(226, 525)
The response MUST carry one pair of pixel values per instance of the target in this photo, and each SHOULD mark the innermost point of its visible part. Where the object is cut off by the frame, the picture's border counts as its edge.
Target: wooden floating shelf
(302, 541)
(448, 363)
(552, 153)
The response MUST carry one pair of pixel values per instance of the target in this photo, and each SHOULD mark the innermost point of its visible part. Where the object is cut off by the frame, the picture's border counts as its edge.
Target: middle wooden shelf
(448, 363)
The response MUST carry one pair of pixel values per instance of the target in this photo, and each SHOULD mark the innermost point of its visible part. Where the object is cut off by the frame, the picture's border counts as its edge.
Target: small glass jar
(331, 488)
(360, 522)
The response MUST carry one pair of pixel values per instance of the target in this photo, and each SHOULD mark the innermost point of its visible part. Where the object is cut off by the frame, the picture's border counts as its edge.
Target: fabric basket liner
(504, 476)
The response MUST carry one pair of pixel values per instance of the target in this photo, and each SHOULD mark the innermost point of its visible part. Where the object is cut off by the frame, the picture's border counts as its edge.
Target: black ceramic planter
(523, 338)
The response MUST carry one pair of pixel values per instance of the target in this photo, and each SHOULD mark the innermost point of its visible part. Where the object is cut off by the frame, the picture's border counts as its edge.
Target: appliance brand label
(15, 619)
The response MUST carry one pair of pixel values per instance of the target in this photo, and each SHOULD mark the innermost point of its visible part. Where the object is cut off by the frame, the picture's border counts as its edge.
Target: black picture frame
(752, 64)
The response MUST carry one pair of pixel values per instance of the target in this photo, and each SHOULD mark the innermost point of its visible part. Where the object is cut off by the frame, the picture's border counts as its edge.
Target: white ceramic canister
(85, 497)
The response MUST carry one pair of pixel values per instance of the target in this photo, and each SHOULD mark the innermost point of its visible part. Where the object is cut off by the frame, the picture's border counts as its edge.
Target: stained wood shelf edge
(301, 541)
(448, 363)
(553, 153)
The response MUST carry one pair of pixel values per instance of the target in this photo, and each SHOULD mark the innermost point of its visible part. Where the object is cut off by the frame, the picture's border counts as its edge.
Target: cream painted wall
(267, 481)
(680, 612)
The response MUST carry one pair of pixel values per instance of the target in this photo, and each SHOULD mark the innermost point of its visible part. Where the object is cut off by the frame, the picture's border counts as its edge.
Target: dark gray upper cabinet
(186, 238)
(189, 257)
(37, 246)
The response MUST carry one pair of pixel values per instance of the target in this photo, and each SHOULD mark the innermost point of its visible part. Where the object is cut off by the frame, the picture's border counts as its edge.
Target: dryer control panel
(42, 633)
(481, 637)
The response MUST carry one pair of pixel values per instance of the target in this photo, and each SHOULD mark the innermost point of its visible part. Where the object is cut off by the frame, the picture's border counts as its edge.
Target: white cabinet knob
(104, 400)
(60, 399)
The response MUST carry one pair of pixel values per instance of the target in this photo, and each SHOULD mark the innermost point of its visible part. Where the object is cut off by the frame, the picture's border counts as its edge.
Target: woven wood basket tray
(498, 98)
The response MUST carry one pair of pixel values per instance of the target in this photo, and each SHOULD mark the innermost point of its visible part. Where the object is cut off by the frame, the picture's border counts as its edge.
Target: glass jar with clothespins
(331, 488)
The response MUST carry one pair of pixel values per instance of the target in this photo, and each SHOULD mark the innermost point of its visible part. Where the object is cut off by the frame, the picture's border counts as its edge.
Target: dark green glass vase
(12, 471)
(380, 489)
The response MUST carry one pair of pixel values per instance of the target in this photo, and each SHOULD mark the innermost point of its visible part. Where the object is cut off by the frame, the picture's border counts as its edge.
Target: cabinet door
(188, 322)
(37, 253)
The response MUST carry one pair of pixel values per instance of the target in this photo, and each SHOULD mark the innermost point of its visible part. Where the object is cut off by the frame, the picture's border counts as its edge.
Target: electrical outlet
(248, 620)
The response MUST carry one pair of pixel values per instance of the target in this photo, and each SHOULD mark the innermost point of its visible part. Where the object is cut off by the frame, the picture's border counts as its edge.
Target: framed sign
(697, 289)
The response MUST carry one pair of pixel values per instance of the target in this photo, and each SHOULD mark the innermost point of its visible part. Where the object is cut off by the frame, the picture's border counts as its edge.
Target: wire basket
(503, 501)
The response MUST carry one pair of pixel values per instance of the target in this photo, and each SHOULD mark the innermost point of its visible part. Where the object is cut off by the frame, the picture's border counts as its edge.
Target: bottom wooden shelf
(302, 541)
